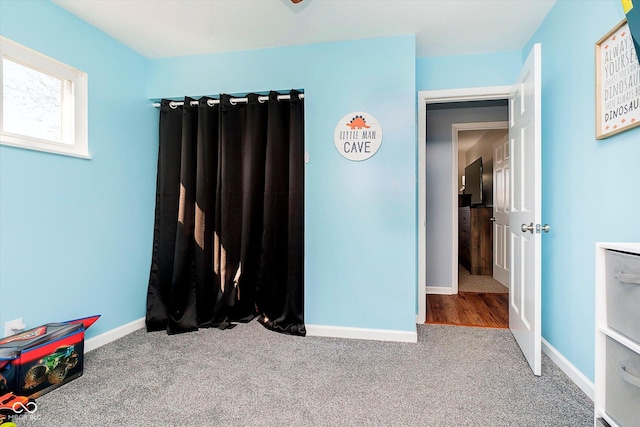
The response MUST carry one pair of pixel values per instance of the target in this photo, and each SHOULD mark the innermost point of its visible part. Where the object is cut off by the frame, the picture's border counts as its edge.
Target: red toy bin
(41, 359)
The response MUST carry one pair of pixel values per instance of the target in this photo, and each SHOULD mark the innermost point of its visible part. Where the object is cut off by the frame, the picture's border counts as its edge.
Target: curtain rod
(233, 101)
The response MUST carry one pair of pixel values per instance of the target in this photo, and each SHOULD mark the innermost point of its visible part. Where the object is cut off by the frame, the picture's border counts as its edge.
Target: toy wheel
(58, 373)
(72, 361)
(35, 376)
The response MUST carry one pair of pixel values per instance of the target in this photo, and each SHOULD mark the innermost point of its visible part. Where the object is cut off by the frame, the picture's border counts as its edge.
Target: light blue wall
(589, 186)
(360, 219)
(462, 71)
(76, 235)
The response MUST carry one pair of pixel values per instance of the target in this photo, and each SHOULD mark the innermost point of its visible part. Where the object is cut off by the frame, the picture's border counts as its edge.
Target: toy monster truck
(53, 367)
(10, 404)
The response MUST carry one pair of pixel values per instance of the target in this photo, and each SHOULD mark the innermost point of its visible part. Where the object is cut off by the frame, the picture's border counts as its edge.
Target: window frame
(73, 102)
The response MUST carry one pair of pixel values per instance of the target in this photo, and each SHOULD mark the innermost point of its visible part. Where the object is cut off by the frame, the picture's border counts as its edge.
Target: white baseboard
(361, 333)
(312, 330)
(568, 368)
(113, 334)
(441, 290)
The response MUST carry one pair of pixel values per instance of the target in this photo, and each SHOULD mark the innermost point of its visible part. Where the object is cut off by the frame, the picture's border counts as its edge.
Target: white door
(525, 215)
(501, 258)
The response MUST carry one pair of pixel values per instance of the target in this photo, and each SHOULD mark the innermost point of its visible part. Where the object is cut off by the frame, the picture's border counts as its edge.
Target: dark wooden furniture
(464, 200)
(475, 239)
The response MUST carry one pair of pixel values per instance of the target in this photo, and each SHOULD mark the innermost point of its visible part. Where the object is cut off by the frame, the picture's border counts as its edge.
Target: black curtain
(229, 220)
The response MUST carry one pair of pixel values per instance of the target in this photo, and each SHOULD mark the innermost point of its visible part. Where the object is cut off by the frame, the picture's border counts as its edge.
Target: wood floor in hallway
(479, 309)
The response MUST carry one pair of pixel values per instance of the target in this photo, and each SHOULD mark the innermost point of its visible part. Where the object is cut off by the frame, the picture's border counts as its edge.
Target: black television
(473, 181)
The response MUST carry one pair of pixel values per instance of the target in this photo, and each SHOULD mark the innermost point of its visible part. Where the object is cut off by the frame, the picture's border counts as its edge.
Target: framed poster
(617, 82)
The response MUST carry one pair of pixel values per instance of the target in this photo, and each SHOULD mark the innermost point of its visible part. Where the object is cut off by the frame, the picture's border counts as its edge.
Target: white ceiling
(165, 28)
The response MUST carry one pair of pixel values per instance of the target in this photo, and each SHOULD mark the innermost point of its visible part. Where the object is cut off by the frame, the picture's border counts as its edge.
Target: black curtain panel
(229, 222)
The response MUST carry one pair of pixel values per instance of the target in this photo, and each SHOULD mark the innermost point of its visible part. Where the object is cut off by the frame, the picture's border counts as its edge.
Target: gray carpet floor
(468, 282)
(247, 376)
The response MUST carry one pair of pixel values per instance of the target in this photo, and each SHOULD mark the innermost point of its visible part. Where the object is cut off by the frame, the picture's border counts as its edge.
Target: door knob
(540, 228)
(526, 228)
(492, 219)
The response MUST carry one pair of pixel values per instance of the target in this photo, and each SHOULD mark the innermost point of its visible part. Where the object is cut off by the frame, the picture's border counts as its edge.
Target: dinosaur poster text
(617, 83)
(358, 136)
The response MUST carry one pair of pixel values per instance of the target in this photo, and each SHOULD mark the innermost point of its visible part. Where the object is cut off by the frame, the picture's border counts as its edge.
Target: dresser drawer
(623, 293)
(464, 231)
(464, 216)
(463, 241)
(463, 251)
(622, 392)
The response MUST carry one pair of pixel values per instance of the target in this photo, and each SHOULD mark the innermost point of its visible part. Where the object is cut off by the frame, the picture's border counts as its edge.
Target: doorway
(475, 297)
(445, 213)
(525, 112)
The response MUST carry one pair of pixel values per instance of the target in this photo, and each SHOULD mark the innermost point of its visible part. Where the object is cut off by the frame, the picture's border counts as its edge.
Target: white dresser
(617, 358)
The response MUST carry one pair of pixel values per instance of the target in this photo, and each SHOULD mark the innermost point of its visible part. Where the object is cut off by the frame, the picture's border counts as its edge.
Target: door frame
(432, 97)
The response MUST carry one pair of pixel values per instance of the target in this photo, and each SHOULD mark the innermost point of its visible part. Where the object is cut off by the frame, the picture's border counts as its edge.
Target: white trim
(361, 333)
(113, 334)
(441, 290)
(430, 97)
(466, 94)
(454, 208)
(421, 316)
(568, 368)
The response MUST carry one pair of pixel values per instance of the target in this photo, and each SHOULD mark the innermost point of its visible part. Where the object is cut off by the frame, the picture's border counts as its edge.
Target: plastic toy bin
(41, 359)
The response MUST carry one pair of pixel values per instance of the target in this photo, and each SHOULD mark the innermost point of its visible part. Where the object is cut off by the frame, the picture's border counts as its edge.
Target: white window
(44, 102)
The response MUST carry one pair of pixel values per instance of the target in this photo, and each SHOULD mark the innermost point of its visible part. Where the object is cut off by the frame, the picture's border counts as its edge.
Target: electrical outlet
(13, 327)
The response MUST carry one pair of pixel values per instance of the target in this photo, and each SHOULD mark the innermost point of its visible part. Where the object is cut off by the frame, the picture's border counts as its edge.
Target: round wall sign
(358, 136)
